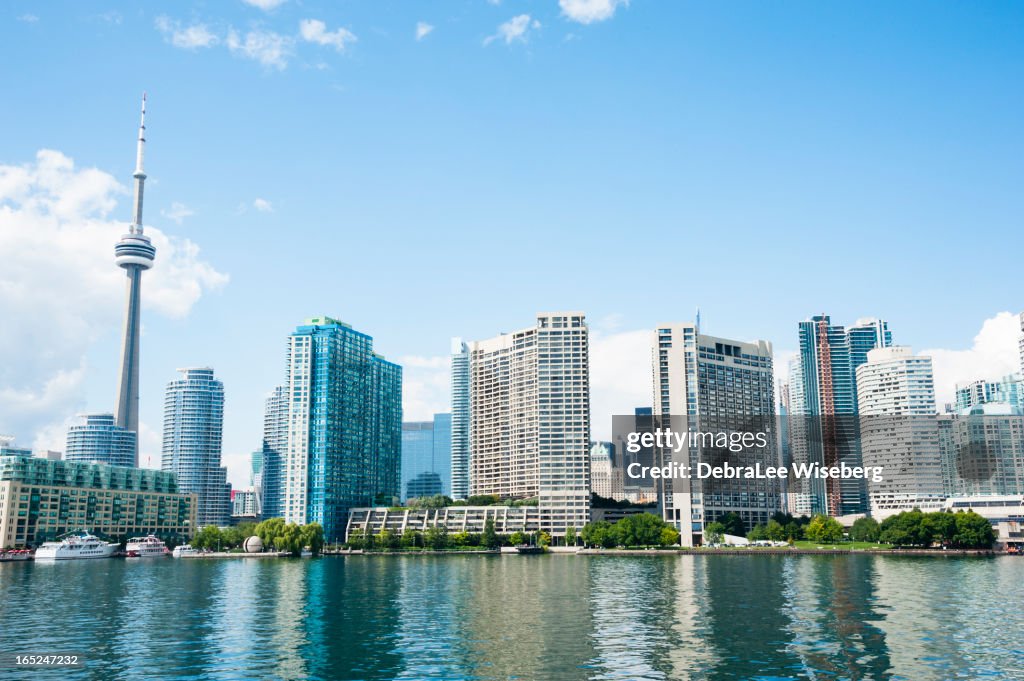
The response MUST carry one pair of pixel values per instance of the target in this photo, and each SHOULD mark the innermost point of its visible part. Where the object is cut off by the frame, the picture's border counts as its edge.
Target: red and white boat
(146, 547)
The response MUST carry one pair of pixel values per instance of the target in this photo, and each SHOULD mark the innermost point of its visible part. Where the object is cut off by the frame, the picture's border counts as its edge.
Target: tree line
(274, 533)
(439, 538)
(641, 529)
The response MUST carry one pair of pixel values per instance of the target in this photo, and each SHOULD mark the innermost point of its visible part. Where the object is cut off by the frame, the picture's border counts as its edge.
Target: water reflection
(530, 617)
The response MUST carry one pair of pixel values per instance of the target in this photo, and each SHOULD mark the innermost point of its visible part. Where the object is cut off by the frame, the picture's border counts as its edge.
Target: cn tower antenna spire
(140, 173)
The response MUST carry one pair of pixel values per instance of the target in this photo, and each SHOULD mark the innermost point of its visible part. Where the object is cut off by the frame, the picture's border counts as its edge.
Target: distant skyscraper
(98, 439)
(460, 420)
(426, 457)
(824, 430)
(1021, 344)
(606, 477)
(899, 429)
(1009, 389)
(193, 428)
(712, 384)
(273, 451)
(530, 418)
(134, 253)
(344, 426)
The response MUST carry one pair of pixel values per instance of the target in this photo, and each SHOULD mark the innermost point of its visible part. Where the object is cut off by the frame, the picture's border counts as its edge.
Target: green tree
(312, 535)
(460, 539)
(599, 533)
(865, 529)
(734, 524)
(388, 539)
(570, 536)
(758, 533)
(517, 538)
(268, 530)
(905, 529)
(436, 537)
(973, 531)
(642, 529)
(669, 536)
(483, 500)
(714, 533)
(411, 538)
(543, 539)
(209, 537)
(940, 528)
(824, 529)
(775, 530)
(490, 537)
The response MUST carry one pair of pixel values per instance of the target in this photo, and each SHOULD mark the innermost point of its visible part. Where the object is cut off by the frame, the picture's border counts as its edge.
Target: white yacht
(184, 550)
(145, 547)
(76, 547)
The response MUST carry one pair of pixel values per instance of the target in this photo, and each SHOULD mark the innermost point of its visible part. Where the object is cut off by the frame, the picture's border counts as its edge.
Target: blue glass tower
(427, 457)
(343, 444)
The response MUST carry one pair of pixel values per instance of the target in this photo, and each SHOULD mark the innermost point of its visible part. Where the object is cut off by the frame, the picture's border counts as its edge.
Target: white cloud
(315, 31)
(992, 355)
(589, 11)
(426, 387)
(266, 47)
(620, 377)
(177, 212)
(187, 38)
(514, 29)
(265, 5)
(263, 206)
(28, 18)
(423, 29)
(60, 291)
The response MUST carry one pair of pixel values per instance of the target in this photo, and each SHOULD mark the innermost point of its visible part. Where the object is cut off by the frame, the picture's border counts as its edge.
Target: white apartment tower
(711, 384)
(530, 418)
(899, 430)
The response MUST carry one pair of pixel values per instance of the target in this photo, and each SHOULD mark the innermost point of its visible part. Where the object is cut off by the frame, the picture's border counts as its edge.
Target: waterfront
(549, 617)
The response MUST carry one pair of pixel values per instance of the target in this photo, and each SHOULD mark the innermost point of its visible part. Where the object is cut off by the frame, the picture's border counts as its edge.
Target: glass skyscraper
(98, 439)
(344, 426)
(275, 445)
(460, 454)
(427, 457)
(193, 428)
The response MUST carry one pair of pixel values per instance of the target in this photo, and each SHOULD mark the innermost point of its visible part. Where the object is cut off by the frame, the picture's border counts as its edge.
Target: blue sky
(762, 161)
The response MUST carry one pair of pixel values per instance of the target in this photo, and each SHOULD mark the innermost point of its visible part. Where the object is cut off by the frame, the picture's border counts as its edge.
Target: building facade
(899, 430)
(530, 418)
(98, 439)
(42, 499)
(709, 384)
(343, 425)
(472, 519)
(606, 472)
(460, 420)
(1009, 389)
(193, 430)
(427, 457)
(273, 452)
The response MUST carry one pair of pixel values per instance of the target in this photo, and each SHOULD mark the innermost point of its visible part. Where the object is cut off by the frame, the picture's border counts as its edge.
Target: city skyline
(209, 190)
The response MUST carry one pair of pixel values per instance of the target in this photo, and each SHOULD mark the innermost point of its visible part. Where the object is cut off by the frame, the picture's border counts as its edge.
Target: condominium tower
(272, 452)
(899, 430)
(98, 439)
(709, 384)
(427, 457)
(344, 426)
(530, 418)
(460, 420)
(193, 430)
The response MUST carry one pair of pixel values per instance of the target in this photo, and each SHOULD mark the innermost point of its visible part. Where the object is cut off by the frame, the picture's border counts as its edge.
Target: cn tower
(134, 253)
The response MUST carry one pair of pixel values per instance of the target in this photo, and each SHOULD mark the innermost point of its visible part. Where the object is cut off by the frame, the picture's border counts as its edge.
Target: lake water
(527, 617)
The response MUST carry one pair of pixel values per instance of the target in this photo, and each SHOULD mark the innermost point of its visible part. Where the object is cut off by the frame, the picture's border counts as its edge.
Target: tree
(517, 538)
(734, 524)
(436, 537)
(570, 536)
(669, 536)
(714, 533)
(775, 530)
(642, 529)
(209, 537)
(483, 500)
(268, 530)
(411, 538)
(824, 529)
(865, 529)
(490, 537)
(388, 539)
(939, 528)
(312, 535)
(972, 531)
(599, 533)
(543, 539)
(758, 533)
(905, 529)
(460, 539)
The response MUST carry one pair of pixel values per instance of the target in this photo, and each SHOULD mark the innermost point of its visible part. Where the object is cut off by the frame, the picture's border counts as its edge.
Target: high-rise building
(460, 420)
(983, 451)
(710, 384)
(1021, 344)
(824, 430)
(426, 457)
(606, 474)
(193, 429)
(344, 426)
(256, 479)
(98, 439)
(273, 451)
(1009, 389)
(243, 504)
(530, 418)
(134, 254)
(899, 430)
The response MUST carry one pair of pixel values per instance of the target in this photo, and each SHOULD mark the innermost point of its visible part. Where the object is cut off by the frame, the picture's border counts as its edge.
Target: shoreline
(936, 553)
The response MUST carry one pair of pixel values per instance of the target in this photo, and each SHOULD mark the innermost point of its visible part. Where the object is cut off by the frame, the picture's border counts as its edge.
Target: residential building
(606, 473)
(899, 429)
(193, 429)
(243, 504)
(1008, 389)
(471, 519)
(460, 454)
(344, 426)
(272, 453)
(426, 457)
(710, 384)
(98, 439)
(42, 499)
(983, 451)
(530, 418)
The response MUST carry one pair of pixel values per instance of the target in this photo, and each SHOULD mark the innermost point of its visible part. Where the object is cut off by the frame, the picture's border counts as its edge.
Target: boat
(78, 546)
(184, 550)
(149, 546)
(14, 554)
